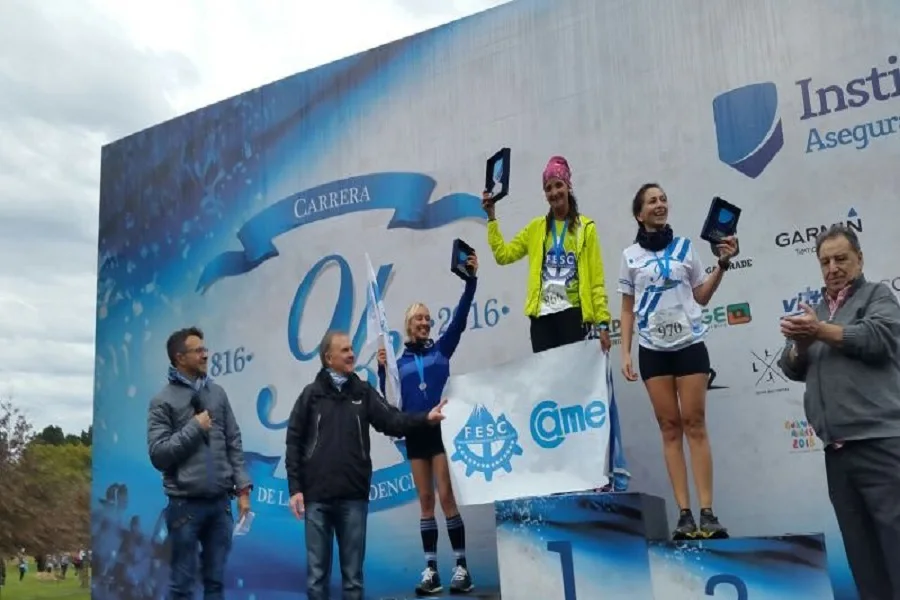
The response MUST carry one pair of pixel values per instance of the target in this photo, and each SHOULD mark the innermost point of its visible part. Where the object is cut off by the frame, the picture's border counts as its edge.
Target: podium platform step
(778, 567)
(578, 546)
(473, 595)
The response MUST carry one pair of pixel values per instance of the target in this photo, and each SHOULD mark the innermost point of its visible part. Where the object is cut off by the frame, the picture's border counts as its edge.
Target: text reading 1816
(227, 362)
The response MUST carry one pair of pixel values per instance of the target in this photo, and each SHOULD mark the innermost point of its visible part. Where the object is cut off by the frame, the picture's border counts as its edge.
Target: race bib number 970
(669, 327)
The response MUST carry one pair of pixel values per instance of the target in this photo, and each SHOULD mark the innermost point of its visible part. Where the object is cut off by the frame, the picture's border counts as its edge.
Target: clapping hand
(435, 415)
(803, 327)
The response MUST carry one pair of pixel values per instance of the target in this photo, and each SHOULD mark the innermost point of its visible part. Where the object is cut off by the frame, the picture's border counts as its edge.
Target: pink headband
(558, 168)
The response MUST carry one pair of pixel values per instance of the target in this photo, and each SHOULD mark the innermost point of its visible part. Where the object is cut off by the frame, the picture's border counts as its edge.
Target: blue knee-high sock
(429, 530)
(456, 531)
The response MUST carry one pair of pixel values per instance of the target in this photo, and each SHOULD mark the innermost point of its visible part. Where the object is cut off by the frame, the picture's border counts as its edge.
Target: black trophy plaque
(461, 253)
(721, 222)
(497, 174)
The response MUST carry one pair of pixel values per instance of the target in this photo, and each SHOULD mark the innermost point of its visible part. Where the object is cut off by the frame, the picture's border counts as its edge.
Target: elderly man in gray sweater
(847, 351)
(194, 440)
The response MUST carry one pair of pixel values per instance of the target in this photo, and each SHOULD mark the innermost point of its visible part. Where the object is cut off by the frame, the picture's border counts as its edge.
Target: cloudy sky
(76, 74)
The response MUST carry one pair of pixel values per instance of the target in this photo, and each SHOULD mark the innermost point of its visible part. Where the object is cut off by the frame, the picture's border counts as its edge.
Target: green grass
(32, 588)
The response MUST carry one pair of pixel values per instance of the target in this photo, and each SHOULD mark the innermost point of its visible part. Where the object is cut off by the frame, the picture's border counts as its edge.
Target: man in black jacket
(329, 469)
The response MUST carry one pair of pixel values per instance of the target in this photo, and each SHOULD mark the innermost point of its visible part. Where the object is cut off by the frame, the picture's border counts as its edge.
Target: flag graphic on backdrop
(378, 333)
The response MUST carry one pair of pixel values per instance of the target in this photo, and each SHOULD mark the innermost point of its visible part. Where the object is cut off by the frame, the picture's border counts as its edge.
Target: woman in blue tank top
(424, 368)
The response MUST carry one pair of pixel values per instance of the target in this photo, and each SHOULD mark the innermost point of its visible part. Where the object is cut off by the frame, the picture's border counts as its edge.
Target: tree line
(46, 480)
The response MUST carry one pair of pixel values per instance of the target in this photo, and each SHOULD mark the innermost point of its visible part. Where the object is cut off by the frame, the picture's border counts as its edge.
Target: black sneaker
(710, 528)
(461, 581)
(430, 584)
(686, 528)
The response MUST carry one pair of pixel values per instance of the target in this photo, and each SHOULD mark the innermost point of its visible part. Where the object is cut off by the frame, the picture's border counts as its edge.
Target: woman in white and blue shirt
(664, 287)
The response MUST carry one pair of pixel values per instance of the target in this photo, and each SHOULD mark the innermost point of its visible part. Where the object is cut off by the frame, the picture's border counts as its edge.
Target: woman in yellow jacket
(566, 297)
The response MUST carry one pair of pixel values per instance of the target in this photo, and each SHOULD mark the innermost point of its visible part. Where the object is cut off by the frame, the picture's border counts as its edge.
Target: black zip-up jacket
(328, 438)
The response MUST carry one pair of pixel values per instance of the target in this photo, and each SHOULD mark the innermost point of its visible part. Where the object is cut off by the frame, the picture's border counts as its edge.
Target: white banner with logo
(535, 426)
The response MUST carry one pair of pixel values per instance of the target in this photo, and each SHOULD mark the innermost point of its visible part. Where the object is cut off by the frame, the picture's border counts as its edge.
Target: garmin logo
(803, 240)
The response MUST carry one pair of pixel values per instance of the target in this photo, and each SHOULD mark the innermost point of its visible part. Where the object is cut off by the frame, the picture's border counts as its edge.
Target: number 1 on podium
(564, 549)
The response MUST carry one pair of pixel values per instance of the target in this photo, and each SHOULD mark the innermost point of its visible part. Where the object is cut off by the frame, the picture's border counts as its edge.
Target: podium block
(581, 546)
(779, 567)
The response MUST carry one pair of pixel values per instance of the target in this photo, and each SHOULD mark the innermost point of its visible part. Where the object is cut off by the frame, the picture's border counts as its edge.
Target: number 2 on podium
(564, 549)
(725, 579)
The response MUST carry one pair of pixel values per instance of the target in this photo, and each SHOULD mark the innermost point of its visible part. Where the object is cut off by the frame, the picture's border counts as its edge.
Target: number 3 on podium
(564, 549)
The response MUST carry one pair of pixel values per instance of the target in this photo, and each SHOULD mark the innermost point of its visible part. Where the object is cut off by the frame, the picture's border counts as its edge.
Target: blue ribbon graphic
(408, 194)
(391, 486)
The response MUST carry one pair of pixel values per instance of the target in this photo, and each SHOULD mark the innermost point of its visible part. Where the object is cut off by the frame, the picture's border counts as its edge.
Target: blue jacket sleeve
(450, 340)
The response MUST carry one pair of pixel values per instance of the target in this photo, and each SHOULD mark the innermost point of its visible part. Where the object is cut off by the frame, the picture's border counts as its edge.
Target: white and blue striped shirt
(662, 283)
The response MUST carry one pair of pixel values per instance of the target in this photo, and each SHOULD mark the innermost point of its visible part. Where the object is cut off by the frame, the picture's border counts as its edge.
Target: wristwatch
(604, 326)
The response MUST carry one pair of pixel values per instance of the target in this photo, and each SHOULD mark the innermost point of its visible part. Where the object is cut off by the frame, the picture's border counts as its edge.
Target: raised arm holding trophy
(566, 299)
(424, 368)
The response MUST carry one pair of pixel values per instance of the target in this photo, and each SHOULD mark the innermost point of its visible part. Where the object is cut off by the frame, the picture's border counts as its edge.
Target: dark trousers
(210, 523)
(557, 329)
(864, 487)
(346, 520)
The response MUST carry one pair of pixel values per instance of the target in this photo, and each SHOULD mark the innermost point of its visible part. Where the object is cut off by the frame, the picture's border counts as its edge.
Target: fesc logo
(552, 424)
(485, 444)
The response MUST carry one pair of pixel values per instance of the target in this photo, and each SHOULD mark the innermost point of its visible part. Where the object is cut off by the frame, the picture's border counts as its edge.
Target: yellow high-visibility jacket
(531, 241)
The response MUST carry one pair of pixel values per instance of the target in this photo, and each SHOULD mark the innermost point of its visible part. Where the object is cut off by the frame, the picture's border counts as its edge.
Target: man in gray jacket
(847, 350)
(195, 442)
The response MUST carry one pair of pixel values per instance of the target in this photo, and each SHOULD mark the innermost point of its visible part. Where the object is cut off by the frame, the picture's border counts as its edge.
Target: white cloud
(78, 74)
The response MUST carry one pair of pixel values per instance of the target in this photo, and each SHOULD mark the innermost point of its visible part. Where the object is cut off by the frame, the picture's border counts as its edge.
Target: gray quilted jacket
(191, 467)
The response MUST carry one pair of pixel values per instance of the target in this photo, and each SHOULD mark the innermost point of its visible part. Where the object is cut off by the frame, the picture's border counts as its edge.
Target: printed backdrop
(251, 218)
